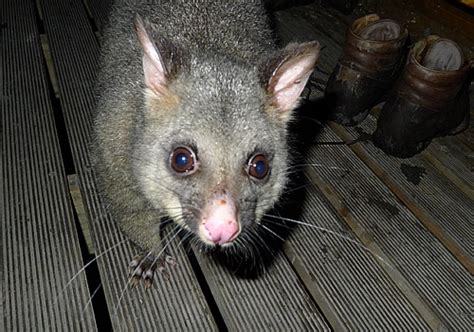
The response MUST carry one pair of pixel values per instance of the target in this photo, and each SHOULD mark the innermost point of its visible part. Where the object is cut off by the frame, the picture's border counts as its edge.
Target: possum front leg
(143, 228)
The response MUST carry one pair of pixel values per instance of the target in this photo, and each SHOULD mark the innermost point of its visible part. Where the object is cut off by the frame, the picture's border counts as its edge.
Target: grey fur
(219, 56)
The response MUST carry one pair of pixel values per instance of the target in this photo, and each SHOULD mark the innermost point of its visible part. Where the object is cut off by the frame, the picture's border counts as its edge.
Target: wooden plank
(330, 36)
(350, 280)
(372, 209)
(453, 162)
(75, 54)
(290, 27)
(438, 204)
(40, 249)
(274, 301)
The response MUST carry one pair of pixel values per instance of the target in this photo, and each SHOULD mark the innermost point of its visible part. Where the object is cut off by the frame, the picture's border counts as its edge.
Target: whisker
(270, 231)
(261, 241)
(278, 224)
(90, 300)
(333, 233)
(85, 267)
(312, 119)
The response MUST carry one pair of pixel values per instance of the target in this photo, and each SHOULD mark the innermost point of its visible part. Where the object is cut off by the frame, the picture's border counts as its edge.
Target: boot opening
(443, 55)
(381, 31)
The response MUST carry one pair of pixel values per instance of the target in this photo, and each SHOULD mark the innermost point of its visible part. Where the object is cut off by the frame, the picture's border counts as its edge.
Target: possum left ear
(161, 59)
(285, 75)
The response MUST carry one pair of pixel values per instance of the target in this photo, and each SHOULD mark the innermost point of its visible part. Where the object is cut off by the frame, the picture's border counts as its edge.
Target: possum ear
(159, 58)
(285, 75)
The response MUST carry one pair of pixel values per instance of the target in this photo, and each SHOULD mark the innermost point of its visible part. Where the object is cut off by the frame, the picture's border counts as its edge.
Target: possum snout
(219, 223)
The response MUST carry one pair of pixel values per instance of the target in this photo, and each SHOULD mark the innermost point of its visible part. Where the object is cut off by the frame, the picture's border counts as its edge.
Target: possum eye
(183, 160)
(258, 166)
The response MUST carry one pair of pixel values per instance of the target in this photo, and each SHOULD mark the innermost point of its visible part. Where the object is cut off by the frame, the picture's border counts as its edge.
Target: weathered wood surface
(444, 209)
(381, 249)
(331, 39)
(436, 277)
(40, 249)
(436, 204)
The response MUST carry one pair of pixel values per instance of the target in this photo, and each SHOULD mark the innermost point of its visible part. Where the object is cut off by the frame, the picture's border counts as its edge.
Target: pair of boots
(426, 90)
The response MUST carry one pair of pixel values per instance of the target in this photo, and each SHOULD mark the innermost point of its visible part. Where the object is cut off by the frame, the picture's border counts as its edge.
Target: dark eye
(183, 160)
(258, 166)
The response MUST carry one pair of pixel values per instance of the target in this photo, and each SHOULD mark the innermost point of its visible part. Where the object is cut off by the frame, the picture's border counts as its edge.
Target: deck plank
(351, 281)
(277, 300)
(435, 200)
(432, 271)
(274, 301)
(358, 204)
(330, 32)
(75, 54)
(453, 161)
(40, 249)
(291, 27)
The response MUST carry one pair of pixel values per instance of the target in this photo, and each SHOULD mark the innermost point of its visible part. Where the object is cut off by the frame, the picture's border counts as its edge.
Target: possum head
(210, 148)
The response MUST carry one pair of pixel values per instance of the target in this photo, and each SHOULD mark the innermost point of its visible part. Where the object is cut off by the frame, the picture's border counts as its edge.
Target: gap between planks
(80, 208)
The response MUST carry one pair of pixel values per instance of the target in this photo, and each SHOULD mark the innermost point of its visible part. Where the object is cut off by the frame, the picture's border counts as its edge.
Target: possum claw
(170, 260)
(143, 267)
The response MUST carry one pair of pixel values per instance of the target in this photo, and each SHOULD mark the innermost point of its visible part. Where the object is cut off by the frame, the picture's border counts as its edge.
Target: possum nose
(221, 231)
(219, 225)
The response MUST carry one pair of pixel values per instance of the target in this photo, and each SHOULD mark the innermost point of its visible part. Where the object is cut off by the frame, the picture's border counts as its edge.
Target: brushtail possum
(194, 101)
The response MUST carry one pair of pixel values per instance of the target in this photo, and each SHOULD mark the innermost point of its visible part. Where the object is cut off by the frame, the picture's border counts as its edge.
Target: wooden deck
(406, 262)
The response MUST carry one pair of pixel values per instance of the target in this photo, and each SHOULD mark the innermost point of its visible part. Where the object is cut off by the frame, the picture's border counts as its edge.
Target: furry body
(205, 75)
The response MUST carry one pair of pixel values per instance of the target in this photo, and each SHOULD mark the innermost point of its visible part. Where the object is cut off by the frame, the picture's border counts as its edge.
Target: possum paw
(143, 267)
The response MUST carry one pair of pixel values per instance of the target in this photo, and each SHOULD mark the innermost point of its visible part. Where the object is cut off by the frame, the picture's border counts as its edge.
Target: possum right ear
(160, 58)
(285, 75)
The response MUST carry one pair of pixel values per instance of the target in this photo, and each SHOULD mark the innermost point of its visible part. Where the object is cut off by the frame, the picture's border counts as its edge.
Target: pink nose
(219, 222)
(221, 231)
